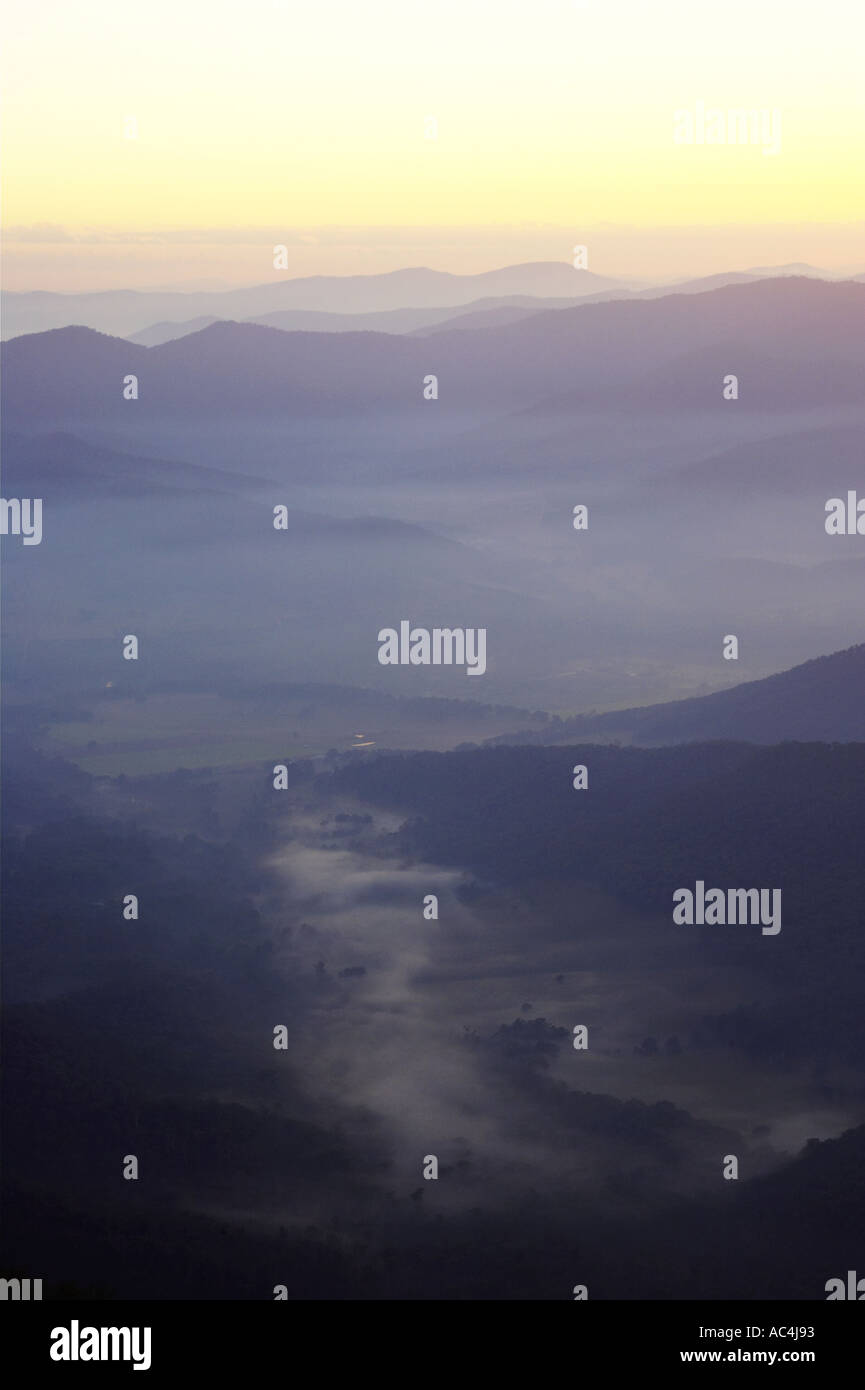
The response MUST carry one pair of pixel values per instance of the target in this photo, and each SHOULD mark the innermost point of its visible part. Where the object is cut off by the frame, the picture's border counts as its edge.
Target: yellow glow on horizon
(561, 112)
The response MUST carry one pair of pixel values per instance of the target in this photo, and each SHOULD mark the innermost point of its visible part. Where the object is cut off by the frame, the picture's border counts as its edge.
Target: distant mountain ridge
(413, 320)
(819, 701)
(125, 312)
(661, 353)
(415, 297)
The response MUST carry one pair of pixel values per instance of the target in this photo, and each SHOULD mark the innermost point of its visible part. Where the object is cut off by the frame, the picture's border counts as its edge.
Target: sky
(176, 144)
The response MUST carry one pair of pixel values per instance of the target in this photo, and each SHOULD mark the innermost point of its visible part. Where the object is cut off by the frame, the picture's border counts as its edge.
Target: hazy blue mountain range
(706, 515)
(396, 302)
(302, 905)
(796, 341)
(506, 308)
(821, 700)
(483, 313)
(130, 311)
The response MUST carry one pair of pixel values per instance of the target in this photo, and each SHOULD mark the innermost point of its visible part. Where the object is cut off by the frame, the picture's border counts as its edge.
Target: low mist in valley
(284, 806)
